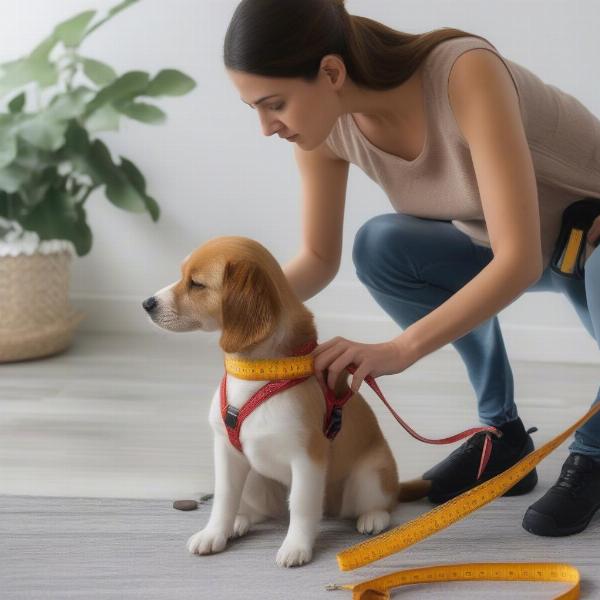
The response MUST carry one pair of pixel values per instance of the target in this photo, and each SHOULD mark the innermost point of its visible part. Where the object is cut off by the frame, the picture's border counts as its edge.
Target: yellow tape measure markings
(444, 515)
(278, 368)
(537, 572)
(439, 518)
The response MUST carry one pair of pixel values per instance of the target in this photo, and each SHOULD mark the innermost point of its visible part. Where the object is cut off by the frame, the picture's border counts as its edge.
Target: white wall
(214, 173)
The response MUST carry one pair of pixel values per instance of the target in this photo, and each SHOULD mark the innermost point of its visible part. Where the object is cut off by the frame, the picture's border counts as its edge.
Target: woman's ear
(250, 305)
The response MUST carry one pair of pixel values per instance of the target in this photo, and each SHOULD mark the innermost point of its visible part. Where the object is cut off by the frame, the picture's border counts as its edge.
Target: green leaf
(125, 87)
(111, 13)
(46, 74)
(137, 179)
(72, 31)
(42, 51)
(58, 216)
(77, 150)
(70, 105)
(17, 103)
(152, 207)
(11, 206)
(119, 190)
(98, 72)
(41, 68)
(35, 67)
(8, 147)
(140, 111)
(119, 7)
(43, 132)
(21, 72)
(34, 190)
(13, 177)
(33, 159)
(13, 75)
(122, 194)
(170, 82)
(134, 174)
(77, 138)
(106, 118)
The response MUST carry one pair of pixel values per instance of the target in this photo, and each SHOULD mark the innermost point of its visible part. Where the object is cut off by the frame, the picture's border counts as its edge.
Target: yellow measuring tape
(291, 367)
(443, 516)
(547, 572)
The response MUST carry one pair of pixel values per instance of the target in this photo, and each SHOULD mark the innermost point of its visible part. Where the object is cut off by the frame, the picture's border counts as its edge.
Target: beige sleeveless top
(563, 135)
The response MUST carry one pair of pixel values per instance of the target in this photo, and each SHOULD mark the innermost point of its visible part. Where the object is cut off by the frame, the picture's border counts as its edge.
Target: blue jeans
(411, 265)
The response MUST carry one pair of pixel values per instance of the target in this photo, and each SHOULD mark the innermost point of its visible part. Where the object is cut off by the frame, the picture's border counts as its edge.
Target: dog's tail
(413, 490)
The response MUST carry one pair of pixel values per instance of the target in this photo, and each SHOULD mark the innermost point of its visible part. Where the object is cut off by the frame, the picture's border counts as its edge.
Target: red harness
(234, 417)
(332, 421)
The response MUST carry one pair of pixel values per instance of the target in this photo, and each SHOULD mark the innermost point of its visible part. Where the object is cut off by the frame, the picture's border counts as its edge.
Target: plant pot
(36, 318)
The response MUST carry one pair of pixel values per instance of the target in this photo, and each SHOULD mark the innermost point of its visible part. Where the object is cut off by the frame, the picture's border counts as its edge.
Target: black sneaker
(458, 472)
(569, 505)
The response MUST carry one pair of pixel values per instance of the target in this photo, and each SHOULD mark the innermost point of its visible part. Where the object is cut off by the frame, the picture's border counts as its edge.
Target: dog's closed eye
(197, 284)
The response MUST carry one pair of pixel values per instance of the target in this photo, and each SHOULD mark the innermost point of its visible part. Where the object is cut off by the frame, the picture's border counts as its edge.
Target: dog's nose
(149, 303)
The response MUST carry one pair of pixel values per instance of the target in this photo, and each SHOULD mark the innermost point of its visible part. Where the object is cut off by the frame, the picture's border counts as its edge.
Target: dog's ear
(250, 305)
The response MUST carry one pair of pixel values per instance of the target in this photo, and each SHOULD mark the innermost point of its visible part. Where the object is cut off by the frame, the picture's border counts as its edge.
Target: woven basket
(36, 319)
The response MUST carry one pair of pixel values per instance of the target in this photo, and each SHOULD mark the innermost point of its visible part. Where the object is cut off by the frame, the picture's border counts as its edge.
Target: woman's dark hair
(288, 38)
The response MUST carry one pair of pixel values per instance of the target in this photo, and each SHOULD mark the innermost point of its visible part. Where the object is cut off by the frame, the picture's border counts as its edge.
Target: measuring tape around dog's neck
(292, 367)
(439, 518)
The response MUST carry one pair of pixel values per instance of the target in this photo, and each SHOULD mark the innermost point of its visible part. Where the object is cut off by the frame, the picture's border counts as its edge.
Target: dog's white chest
(271, 435)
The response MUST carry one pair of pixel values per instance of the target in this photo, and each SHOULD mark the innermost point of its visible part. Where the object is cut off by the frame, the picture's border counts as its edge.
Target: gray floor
(96, 443)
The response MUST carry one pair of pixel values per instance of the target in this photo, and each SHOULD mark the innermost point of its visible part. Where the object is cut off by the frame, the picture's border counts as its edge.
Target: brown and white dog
(235, 285)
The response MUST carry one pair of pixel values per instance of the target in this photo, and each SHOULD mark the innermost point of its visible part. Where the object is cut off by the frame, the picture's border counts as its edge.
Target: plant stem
(86, 194)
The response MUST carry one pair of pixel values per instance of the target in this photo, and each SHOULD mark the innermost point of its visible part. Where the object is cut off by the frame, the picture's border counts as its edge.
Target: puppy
(233, 284)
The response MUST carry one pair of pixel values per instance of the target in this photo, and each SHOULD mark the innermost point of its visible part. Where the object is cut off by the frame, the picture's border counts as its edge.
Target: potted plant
(54, 100)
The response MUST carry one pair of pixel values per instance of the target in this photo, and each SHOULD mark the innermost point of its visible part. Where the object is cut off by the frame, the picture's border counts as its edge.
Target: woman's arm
(307, 275)
(486, 106)
(324, 179)
(492, 289)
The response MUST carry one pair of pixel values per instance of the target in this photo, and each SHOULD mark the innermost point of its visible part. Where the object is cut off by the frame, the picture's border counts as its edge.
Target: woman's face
(291, 107)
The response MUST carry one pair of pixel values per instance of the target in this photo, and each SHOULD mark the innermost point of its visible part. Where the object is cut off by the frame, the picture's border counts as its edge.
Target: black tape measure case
(569, 253)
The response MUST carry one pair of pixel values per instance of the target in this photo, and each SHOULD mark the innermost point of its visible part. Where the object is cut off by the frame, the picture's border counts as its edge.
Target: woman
(479, 158)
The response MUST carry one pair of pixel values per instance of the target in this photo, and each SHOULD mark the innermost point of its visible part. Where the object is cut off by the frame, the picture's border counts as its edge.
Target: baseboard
(346, 309)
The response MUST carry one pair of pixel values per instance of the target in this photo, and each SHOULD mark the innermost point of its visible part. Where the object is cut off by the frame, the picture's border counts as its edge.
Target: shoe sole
(521, 487)
(543, 525)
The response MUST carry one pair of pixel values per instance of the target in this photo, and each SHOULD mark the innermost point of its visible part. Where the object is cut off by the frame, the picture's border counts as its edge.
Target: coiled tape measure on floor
(443, 516)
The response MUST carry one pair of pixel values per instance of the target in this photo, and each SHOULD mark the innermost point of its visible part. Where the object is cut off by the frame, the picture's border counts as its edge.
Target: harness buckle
(335, 423)
(231, 416)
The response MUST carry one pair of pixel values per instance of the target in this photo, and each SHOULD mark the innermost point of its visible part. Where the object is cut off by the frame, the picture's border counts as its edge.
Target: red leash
(487, 446)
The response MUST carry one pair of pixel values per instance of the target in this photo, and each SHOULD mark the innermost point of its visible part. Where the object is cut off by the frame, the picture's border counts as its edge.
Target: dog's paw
(207, 541)
(373, 521)
(241, 525)
(293, 553)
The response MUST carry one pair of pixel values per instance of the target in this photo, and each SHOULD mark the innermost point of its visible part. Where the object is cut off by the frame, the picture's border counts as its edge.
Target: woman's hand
(386, 358)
